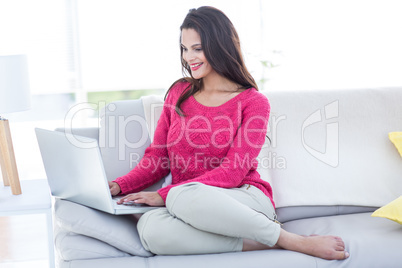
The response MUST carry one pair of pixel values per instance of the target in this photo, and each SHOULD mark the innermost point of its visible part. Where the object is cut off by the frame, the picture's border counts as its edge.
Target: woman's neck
(214, 83)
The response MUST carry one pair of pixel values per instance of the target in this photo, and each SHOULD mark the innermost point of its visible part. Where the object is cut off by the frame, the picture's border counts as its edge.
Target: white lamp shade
(14, 84)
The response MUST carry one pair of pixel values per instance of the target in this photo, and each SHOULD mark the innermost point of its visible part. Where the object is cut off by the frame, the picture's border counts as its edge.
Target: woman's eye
(198, 49)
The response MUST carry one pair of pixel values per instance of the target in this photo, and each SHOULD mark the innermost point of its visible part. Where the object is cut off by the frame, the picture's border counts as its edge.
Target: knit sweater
(216, 146)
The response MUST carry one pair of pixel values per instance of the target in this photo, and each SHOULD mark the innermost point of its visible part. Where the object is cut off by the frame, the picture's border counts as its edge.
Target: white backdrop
(124, 44)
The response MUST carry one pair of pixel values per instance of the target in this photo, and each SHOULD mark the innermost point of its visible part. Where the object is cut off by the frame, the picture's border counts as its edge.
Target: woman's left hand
(150, 198)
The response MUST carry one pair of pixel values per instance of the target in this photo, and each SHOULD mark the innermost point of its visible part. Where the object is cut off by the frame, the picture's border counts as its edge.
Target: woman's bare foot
(325, 247)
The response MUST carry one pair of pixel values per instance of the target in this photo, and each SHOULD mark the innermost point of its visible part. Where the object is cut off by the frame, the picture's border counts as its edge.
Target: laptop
(75, 172)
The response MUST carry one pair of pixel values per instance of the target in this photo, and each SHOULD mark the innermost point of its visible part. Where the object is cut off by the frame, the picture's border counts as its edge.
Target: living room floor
(23, 242)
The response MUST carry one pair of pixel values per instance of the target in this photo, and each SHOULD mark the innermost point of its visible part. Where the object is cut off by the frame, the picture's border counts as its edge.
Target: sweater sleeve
(241, 157)
(154, 165)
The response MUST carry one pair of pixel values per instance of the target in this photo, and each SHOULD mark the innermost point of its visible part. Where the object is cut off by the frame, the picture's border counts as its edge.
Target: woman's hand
(114, 188)
(150, 198)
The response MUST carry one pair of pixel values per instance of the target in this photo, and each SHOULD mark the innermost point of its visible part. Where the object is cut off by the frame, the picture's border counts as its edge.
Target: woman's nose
(188, 56)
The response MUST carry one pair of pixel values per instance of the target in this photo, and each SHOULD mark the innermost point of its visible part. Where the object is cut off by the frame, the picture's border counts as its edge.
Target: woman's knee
(151, 230)
(180, 197)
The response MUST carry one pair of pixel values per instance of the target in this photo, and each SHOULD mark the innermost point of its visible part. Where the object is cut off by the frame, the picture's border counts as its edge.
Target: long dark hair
(221, 46)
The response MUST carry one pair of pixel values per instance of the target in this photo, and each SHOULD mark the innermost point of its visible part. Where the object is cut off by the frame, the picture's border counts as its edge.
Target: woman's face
(194, 55)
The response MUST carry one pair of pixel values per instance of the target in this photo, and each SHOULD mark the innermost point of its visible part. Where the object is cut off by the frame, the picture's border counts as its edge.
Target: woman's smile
(195, 66)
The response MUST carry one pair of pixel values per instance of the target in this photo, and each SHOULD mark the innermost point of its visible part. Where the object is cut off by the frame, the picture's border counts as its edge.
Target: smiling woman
(211, 199)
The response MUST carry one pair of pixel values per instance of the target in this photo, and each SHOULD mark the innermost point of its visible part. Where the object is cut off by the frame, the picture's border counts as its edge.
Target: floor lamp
(14, 97)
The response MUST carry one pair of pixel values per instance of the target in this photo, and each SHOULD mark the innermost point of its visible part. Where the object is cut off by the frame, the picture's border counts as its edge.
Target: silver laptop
(76, 173)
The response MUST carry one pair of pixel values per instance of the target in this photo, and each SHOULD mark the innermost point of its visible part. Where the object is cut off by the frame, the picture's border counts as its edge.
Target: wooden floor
(23, 242)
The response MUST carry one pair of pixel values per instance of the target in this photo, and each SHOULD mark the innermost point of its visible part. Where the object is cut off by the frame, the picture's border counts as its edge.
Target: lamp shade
(14, 84)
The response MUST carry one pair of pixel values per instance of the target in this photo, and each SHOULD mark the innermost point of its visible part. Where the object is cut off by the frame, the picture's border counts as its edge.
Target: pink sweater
(215, 146)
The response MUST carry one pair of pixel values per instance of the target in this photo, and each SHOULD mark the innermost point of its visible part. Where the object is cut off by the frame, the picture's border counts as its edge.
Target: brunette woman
(210, 132)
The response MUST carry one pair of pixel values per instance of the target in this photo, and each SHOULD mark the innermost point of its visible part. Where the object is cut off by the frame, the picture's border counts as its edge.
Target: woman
(210, 132)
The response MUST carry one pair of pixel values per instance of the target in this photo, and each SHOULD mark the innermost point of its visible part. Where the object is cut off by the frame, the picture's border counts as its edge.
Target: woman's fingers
(128, 198)
(149, 198)
(137, 198)
(123, 199)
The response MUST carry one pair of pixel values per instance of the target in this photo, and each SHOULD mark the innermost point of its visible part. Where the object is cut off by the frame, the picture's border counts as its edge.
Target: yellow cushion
(396, 138)
(392, 211)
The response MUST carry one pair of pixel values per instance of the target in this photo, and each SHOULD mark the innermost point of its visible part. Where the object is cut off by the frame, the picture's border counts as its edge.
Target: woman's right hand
(114, 188)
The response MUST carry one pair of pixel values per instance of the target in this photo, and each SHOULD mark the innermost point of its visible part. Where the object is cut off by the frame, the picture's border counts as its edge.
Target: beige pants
(201, 219)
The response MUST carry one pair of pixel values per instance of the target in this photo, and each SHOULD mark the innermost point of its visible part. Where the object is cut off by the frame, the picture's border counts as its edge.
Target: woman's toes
(341, 243)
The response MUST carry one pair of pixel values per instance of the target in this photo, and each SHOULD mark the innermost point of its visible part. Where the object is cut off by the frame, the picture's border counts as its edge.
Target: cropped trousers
(201, 219)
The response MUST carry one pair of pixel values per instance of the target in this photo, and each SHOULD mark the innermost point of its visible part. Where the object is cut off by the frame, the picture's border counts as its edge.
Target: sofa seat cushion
(72, 246)
(251, 259)
(118, 231)
(371, 242)
(125, 262)
(286, 214)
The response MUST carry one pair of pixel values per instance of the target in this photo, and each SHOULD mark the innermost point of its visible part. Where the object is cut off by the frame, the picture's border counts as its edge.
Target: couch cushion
(265, 162)
(125, 262)
(121, 134)
(72, 246)
(331, 147)
(118, 231)
(254, 259)
(286, 214)
(371, 242)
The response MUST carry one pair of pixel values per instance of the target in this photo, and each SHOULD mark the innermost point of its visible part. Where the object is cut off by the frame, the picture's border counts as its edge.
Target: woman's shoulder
(180, 85)
(177, 88)
(256, 103)
(255, 97)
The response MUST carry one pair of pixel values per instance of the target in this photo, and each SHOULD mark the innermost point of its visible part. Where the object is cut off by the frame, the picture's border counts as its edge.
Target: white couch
(330, 164)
